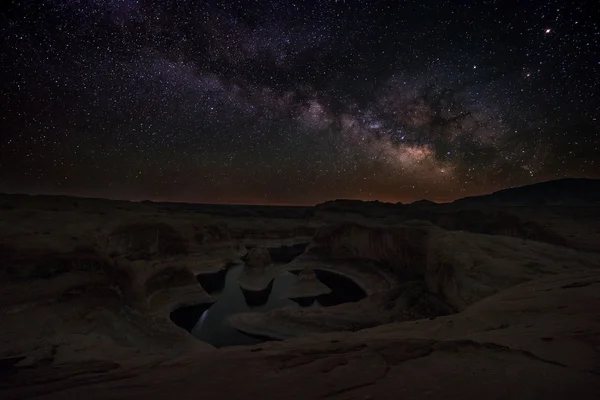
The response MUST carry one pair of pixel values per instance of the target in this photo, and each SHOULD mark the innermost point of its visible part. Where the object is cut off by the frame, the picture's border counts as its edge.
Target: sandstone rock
(142, 240)
(256, 279)
(87, 286)
(461, 267)
(491, 350)
(258, 257)
(409, 301)
(307, 286)
(259, 270)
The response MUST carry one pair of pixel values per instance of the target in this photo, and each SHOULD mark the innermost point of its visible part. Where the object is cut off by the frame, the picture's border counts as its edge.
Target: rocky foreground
(473, 299)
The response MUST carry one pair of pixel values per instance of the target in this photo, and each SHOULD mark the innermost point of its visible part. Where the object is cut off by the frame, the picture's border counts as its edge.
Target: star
(294, 102)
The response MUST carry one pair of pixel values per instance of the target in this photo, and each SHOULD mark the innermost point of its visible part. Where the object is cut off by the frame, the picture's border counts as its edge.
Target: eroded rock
(258, 257)
(409, 301)
(259, 270)
(307, 286)
(143, 240)
(460, 267)
(95, 324)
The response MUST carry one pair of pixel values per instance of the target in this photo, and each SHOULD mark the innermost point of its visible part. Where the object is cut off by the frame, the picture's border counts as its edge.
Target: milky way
(290, 102)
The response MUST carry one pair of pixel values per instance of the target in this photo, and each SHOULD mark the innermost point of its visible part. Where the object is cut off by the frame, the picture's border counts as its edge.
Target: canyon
(495, 296)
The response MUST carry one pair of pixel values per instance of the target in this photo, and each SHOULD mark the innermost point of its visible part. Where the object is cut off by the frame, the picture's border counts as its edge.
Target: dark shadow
(286, 254)
(8, 366)
(259, 338)
(212, 326)
(213, 283)
(304, 301)
(343, 290)
(187, 317)
(259, 298)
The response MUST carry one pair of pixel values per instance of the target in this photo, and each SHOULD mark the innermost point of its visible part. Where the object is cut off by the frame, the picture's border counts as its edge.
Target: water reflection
(210, 323)
(256, 299)
(305, 301)
(213, 283)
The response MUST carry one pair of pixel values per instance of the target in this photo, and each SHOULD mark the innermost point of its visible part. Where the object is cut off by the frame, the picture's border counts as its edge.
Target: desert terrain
(492, 297)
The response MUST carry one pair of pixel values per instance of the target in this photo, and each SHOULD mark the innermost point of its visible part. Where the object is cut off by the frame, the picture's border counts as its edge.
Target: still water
(210, 323)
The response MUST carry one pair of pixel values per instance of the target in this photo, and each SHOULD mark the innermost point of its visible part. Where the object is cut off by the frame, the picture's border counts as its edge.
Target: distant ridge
(565, 192)
(569, 191)
(423, 203)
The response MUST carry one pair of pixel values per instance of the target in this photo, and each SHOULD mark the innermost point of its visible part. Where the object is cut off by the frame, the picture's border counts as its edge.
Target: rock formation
(463, 300)
(461, 267)
(539, 338)
(409, 301)
(94, 279)
(307, 286)
(258, 258)
(259, 271)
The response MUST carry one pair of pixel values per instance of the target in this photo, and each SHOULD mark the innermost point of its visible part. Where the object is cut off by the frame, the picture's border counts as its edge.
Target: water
(209, 323)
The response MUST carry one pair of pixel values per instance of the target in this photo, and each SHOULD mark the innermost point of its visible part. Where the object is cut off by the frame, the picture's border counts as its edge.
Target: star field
(296, 102)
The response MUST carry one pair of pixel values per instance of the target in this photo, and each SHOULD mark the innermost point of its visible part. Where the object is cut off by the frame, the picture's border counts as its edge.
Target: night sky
(296, 102)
